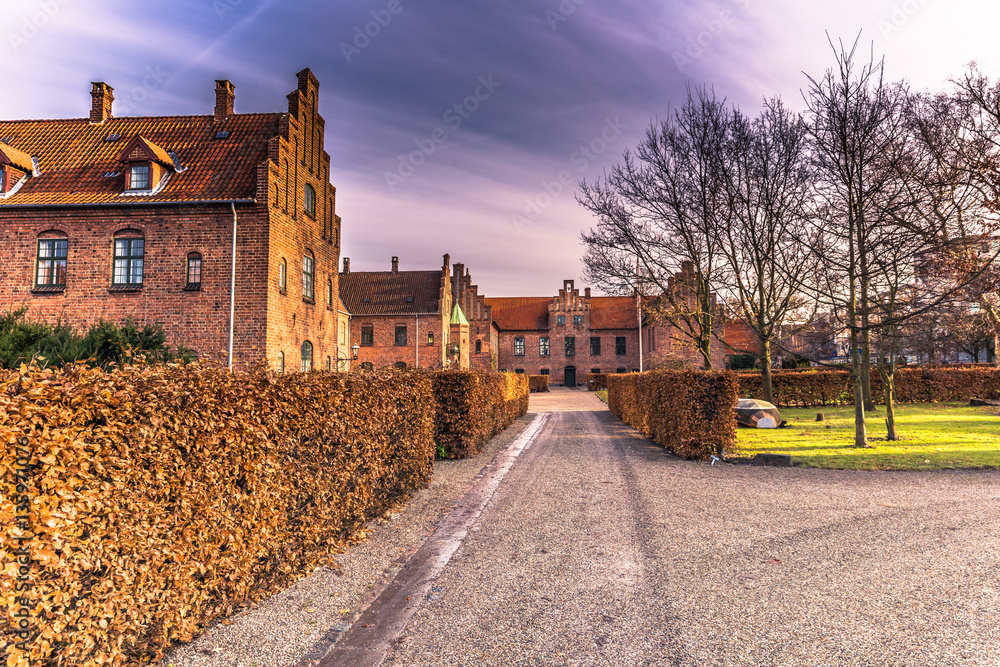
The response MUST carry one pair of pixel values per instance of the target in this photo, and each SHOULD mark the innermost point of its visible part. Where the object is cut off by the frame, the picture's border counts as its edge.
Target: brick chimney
(395, 264)
(347, 265)
(102, 95)
(586, 292)
(225, 96)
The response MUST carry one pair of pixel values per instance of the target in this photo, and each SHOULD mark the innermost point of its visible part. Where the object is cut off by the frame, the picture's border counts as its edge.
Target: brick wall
(298, 160)
(199, 319)
(384, 352)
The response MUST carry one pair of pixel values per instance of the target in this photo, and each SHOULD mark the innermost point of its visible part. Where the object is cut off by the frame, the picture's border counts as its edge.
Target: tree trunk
(860, 430)
(889, 377)
(866, 369)
(705, 343)
(765, 370)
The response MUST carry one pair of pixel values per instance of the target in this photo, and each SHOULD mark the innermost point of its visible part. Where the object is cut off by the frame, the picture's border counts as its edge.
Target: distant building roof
(531, 313)
(613, 312)
(520, 313)
(78, 160)
(388, 292)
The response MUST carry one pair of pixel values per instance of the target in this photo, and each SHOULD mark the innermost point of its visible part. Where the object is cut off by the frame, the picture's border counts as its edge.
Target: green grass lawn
(932, 437)
(603, 395)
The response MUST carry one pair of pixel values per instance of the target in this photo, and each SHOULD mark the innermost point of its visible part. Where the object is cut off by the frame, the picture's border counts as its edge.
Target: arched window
(281, 362)
(401, 365)
(329, 365)
(193, 271)
(329, 293)
(50, 269)
(307, 357)
(282, 274)
(308, 275)
(130, 252)
(367, 366)
(310, 202)
(479, 347)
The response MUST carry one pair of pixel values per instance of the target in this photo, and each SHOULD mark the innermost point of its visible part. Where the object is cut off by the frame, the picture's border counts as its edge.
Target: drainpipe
(232, 290)
(638, 308)
(416, 342)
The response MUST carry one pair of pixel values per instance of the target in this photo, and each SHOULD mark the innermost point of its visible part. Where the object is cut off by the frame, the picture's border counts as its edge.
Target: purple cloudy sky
(543, 88)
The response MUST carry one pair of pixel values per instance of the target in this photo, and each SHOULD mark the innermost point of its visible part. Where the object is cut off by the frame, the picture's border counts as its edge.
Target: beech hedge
(811, 388)
(689, 412)
(537, 383)
(473, 406)
(139, 505)
(597, 381)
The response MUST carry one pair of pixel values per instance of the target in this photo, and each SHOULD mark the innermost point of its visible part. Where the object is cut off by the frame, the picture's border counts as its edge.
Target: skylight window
(224, 134)
(113, 137)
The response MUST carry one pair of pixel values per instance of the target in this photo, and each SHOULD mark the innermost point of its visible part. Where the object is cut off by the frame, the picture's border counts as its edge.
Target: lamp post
(354, 355)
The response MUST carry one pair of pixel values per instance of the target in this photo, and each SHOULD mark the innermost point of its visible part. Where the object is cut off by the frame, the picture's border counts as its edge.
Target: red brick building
(425, 319)
(570, 335)
(105, 217)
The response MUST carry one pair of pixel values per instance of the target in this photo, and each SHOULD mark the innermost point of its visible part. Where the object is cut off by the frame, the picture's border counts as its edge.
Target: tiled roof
(78, 165)
(613, 312)
(520, 313)
(385, 292)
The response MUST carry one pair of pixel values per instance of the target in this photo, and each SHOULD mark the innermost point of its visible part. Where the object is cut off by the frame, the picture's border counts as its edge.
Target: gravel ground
(601, 549)
(287, 627)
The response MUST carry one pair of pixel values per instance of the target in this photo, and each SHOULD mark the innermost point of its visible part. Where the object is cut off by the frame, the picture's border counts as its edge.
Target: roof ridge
(123, 118)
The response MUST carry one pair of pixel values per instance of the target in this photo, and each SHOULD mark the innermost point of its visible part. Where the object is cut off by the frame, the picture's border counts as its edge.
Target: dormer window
(138, 177)
(148, 167)
(14, 166)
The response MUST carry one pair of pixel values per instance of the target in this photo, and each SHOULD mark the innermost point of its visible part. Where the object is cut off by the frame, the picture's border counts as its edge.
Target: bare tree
(856, 124)
(766, 180)
(661, 207)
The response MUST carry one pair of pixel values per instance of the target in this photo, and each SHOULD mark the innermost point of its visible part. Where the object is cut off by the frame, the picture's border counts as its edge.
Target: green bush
(103, 344)
(742, 362)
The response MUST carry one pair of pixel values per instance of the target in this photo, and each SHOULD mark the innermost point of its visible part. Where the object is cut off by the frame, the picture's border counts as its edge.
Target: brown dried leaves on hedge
(162, 498)
(688, 412)
(808, 388)
(473, 406)
(538, 383)
(597, 381)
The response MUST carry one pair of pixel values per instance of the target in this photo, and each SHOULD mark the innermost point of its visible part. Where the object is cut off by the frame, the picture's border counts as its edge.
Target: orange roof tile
(79, 165)
(10, 155)
(388, 293)
(520, 313)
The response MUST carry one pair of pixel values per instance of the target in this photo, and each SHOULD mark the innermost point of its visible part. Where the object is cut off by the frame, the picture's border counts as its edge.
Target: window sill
(282, 291)
(401, 344)
(192, 287)
(311, 302)
(48, 289)
(125, 288)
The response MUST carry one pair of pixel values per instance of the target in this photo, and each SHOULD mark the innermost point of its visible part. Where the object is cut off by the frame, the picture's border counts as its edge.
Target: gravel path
(601, 549)
(598, 548)
(291, 626)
